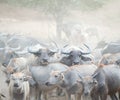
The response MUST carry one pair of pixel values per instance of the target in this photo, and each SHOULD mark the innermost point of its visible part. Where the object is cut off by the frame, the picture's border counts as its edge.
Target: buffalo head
(75, 55)
(8, 53)
(43, 53)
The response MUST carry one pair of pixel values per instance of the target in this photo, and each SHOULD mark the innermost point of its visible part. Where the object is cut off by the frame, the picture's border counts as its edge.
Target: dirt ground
(36, 24)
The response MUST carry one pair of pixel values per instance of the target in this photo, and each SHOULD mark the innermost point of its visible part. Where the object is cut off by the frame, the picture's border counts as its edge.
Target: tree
(59, 8)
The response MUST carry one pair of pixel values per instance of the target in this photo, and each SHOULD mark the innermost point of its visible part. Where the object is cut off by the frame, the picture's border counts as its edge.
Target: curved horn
(54, 47)
(15, 49)
(80, 76)
(55, 44)
(9, 40)
(95, 74)
(15, 68)
(2, 48)
(69, 49)
(85, 53)
(2, 95)
(64, 51)
(35, 49)
(25, 51)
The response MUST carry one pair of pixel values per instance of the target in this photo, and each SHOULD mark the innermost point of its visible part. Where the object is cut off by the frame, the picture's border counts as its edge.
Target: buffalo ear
(62, 76)
(95, 81)
(32, 82)
(4, 64)
(85, 58)
(37, 54)
(79, 81)
(118, 62)
(26, 78)
(51, 53)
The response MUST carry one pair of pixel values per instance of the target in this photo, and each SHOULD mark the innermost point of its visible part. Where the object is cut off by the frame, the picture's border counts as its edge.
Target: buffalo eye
(56, 76)
(25, 78)
(94, 81)
(71, 55)
(80, 54)
(20, 78)
(37, 54)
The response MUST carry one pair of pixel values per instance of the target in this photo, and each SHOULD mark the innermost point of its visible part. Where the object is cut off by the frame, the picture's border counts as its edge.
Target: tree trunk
(59, 27)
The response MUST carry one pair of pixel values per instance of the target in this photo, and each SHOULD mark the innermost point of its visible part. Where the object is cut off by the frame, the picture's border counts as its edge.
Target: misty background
(64, 21)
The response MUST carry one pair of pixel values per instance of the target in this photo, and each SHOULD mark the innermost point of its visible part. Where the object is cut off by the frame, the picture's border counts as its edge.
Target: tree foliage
(52, 6)
(59, 8)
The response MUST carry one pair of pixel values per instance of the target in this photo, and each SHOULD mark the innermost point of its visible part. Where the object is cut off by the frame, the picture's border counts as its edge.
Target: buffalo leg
(119, 95)
(78, 96)
(68, 96)
(103, 96)
(103, 91)
(38, 94)
(11, 93)
(94, 95)
(59, 91)
(44, 95)
(113, 97)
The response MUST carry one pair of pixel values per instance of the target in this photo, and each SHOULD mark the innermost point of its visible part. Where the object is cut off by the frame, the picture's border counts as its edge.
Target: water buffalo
(68, 79)
(15, 39)
(43, 53)
(41, 74)
(113, 47)
(75, 56)
(16, 65)
(6, 54)
(101, 44)
(108, 83)
(19, 87)
(109, 59)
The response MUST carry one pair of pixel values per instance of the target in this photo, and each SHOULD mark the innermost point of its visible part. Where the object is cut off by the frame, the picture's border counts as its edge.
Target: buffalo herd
(34, 69)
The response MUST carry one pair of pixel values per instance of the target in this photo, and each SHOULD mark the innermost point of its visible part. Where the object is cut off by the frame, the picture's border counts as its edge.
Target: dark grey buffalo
(113, 47)
(7, 53)
(41, 74)
(68, 80)
(43, 53)
(75, 55)
(13, 40)
(108, 83)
